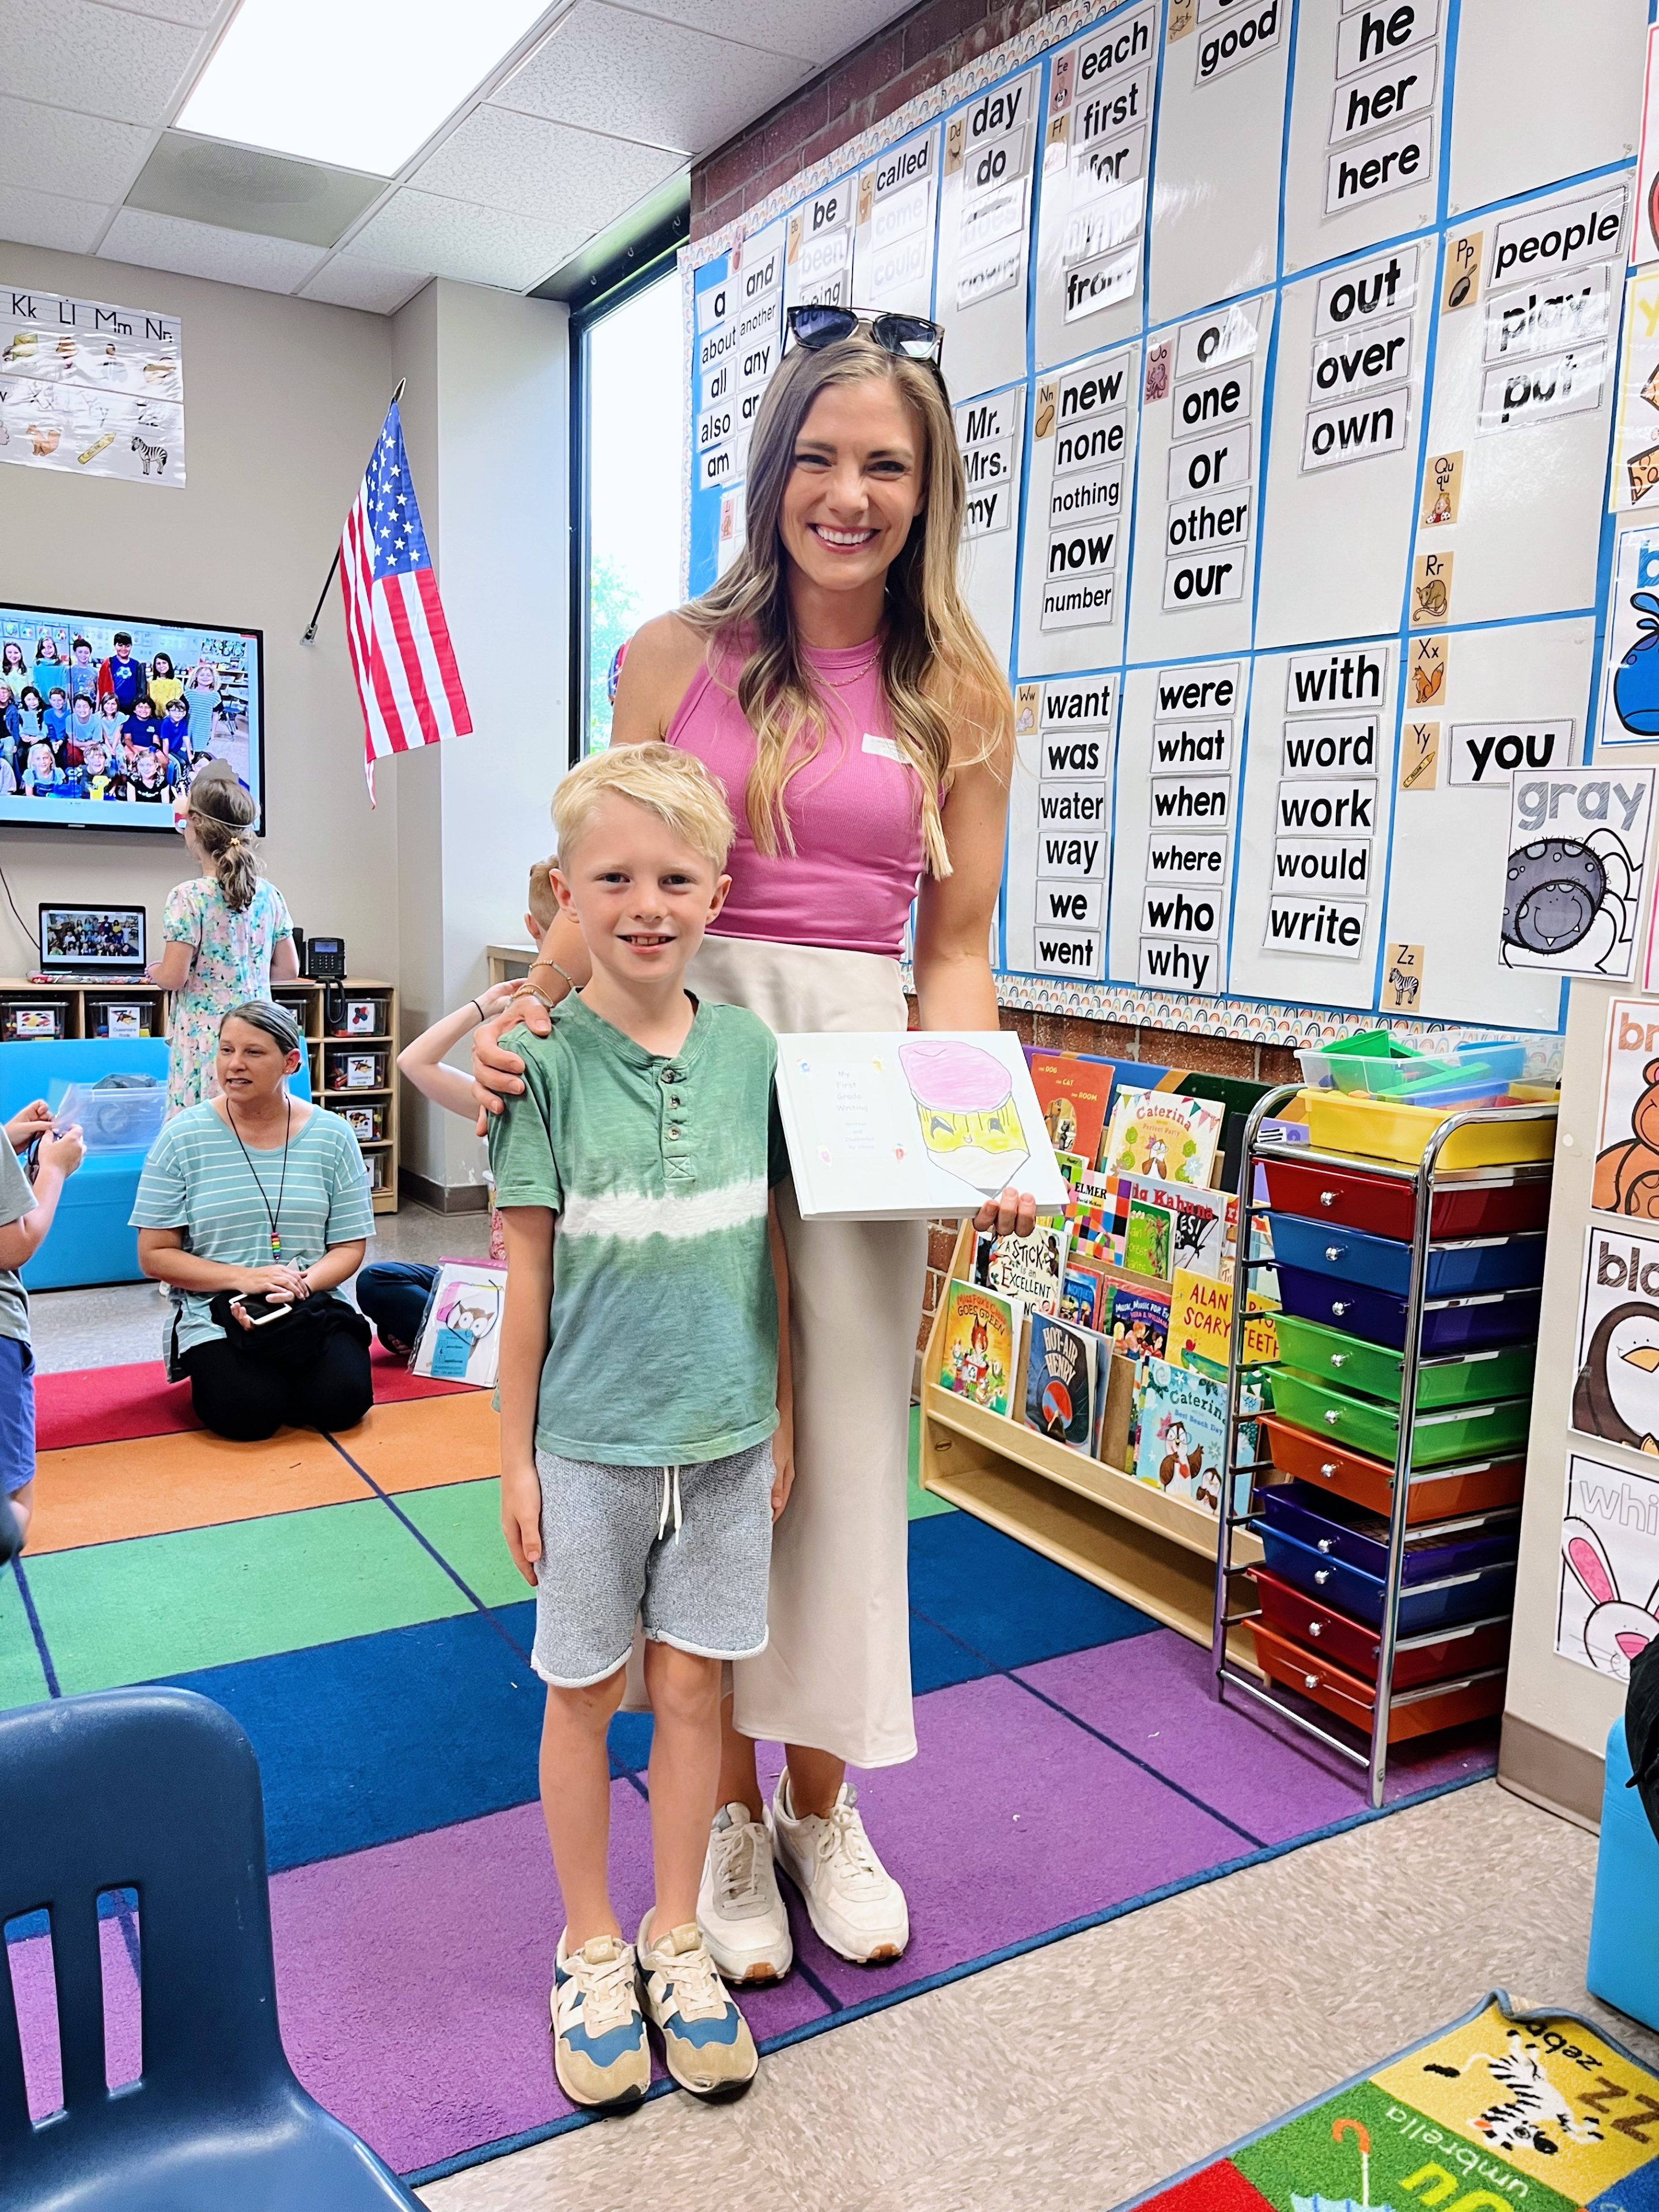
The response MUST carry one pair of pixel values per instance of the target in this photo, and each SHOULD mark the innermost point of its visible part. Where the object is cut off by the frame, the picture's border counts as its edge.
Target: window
(632, 383)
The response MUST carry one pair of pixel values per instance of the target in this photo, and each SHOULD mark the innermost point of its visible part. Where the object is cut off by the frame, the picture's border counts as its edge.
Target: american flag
(401, 655)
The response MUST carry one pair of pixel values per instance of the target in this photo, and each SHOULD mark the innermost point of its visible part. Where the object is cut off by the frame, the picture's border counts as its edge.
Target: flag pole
(308, 636)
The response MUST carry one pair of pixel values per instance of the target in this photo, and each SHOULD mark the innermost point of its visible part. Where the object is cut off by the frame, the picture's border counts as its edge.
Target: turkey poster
(1608, 1611)
(91, 390)
(1627, 1138)
(1578, 862)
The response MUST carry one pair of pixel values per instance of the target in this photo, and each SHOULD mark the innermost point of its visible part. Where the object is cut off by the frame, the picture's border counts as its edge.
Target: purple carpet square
(1154, 1696)
(412, 1979)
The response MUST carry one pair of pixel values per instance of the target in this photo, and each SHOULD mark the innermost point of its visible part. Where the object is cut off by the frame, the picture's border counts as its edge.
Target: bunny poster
(1608, 1611)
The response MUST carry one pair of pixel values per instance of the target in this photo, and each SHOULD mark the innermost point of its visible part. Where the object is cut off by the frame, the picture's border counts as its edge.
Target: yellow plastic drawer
(1347, 1121)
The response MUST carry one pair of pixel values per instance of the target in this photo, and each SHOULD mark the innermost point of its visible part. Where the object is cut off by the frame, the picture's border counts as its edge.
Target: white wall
(283, 399)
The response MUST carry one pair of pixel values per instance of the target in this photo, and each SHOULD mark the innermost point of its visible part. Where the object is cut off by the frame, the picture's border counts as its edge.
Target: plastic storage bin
(1375, 1065)
(1315, 1625)
(1489, 1431)
(1417, 1712)
(1385, 1207)
(1375, 1370)
(1469, 1486)
(34, 1021)
(1380, 1129)
(1624, 1946)
(1424, 1606)
(351, 1070)
(1360, 1538)
(1477, 1324)
(1385, 1263)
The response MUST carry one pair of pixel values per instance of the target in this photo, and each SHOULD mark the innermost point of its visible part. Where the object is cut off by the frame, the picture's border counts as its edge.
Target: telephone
(326, 959)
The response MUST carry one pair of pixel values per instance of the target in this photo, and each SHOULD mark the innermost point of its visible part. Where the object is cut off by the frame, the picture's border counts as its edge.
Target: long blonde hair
(222, 814)
(950, 702)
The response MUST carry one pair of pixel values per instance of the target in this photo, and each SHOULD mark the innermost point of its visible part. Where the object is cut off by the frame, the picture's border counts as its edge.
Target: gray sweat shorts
(687, 1551)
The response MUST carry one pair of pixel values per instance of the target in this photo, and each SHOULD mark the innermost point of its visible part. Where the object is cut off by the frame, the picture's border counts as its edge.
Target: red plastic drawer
(1437, 1495)
(1385, 1207)
(1333, 1637)
(1419, 1712)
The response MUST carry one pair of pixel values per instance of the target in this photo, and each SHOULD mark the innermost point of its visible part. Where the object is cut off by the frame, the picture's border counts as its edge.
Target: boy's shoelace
(696, 1989)
(607, 1989)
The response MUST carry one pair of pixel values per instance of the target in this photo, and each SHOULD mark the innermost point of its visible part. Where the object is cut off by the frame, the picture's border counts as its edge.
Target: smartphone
(259, 1309)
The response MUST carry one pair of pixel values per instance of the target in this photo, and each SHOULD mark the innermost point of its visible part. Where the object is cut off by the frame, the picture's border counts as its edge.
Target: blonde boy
(645, 1414)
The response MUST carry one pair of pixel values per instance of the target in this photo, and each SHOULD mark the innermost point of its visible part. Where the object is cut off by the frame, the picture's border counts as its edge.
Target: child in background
(25, 1215)
(654, 1389)
(8, 714)
(49, 666)
(96, 779)
(82, 727)
(31, 716)
(41, 773)
(111, 717)
(56, 717)
(151, 784)
(200, 701)
(393, 1293)
(82, 673)
(139, 728)
(121, 673)
(12, 667)
(175, 729)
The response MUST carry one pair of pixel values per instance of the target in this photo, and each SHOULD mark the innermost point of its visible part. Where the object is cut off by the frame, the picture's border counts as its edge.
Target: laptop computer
(91, 944)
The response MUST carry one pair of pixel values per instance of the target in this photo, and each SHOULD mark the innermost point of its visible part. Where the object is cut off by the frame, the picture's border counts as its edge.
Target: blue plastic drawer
(1341, 1531)
(1460, 1270)
(1479, 1324)
(1477, 1596)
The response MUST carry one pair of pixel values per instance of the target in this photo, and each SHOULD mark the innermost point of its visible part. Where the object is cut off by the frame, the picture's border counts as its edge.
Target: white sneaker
(739, 1909)
(851, 1900)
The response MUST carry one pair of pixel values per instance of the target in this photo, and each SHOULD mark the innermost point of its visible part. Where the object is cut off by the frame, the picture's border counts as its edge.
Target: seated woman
(255, 1204)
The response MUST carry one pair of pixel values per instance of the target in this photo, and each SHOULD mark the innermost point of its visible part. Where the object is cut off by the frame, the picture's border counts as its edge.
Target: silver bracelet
(557, 970)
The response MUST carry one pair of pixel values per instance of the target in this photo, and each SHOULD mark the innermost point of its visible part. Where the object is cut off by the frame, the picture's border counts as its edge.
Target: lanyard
(273, 1216)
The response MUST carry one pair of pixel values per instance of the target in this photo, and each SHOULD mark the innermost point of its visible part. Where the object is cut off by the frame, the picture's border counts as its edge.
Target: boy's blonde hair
(673, 785)
(542, 902)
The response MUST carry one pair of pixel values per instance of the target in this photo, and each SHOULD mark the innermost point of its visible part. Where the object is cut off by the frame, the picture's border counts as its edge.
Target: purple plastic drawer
(1348, 1533)
(1475, 1324)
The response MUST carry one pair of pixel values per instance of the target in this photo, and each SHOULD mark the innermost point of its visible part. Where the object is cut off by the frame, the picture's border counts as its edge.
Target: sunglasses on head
(908, 337)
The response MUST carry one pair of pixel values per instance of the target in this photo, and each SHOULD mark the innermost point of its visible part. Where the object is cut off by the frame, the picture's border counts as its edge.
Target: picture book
(1201, 1323)
(1082, 1294)
(1146, 1241)
(979, 1351)
(1030, 1267)
(1140, 1322)
(1075, 1096)
(1163, 1133)
(1061, 1376)
(460, 1332)
(886, 1127)
(1182, 1444)
(1203, 1223)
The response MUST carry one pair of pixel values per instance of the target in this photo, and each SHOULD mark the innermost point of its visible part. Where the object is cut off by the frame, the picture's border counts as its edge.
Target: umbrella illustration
(1345, 2125)
(970, 1122)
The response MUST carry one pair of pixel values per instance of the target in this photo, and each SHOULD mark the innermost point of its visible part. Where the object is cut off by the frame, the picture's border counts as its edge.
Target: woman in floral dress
(226, 934)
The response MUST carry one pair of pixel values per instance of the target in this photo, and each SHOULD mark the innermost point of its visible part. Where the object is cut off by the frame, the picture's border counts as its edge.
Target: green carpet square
(463, 1520)
(22, 1682)
(203, 1597)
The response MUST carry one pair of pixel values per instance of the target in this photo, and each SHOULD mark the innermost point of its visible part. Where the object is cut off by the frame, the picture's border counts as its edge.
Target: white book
(885, 1127)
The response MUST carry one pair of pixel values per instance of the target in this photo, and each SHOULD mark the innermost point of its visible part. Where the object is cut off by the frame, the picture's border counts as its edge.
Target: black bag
(1642, 1729)
(300, 1336)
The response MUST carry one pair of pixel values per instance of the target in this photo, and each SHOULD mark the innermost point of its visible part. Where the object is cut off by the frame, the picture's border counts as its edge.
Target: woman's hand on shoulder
(663, 656)
(496, 1073)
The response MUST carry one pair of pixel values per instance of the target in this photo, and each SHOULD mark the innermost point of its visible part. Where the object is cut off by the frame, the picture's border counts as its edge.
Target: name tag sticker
(887, 747)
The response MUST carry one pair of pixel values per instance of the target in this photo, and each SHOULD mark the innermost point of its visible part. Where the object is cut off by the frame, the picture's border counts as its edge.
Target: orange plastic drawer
(1411, 1712)
(1437, 1493)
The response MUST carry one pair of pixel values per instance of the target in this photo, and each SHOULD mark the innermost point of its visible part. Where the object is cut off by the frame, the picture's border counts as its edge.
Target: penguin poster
(1607, 1608)
(1575, 877)
(1616, 1393)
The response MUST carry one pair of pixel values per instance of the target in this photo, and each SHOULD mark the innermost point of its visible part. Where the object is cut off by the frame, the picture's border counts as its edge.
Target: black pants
(248, 1396)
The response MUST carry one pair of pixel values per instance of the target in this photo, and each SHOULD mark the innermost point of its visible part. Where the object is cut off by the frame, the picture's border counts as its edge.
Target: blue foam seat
(1623, 1952)
(156, 1791)
(90, 1240)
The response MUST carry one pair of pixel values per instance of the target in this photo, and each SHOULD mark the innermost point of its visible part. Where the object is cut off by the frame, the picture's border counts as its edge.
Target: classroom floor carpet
(350, 1601)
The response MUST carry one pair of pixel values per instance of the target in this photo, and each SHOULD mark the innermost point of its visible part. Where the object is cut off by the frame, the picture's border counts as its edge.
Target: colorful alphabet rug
(1531, 2111)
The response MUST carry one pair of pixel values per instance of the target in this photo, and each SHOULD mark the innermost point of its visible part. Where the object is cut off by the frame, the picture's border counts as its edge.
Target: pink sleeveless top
(855, 810)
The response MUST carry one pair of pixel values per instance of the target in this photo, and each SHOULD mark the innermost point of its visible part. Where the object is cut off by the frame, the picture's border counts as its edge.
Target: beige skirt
(836, 1674)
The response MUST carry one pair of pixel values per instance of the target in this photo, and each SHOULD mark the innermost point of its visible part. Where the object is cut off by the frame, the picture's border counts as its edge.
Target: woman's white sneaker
(740, 1909)
(851, 1900)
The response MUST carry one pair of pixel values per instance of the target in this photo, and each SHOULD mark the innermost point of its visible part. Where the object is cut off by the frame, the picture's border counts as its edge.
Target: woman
(256, 1196)
(836, 683)
(165, 684)
(225, 934)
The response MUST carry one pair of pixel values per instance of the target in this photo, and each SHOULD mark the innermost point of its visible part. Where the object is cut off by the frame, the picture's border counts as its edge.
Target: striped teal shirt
(198, 1179)
(664, 1332)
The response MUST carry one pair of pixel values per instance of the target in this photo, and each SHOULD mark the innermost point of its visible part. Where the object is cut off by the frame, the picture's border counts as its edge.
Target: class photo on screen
(105, 720)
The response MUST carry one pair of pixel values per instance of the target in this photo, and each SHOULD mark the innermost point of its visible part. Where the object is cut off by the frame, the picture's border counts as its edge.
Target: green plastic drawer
(1326, 1355)
(1480, 1432)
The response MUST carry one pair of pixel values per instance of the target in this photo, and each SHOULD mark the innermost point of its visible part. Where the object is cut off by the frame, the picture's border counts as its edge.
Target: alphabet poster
(1273, 345)
(91, 390)
(1608, 1610)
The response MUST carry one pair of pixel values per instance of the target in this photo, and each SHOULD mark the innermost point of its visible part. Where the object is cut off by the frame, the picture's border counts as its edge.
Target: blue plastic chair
(157, 1791)
(1624, 1950)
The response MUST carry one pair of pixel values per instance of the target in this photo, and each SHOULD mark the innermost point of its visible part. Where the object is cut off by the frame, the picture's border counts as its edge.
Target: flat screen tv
(107, 719)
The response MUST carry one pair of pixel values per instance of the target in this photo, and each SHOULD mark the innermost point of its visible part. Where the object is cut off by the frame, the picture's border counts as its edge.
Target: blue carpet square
(1006, 1602)
(937, 1661)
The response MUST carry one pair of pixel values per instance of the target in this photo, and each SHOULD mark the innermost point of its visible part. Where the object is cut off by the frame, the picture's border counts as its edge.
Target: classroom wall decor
(1285, 360)
(91, 389)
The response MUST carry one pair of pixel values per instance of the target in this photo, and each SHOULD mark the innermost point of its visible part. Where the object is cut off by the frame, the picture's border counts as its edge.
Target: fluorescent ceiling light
(357, 83)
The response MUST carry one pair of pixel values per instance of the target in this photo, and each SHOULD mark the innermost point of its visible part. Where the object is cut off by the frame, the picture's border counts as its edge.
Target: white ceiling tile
(443, 237)
(44, 219)
(93, 60)
(820, 30)
(88, 157)
(203, 249)
(639, 77)
(201, 12)
(575, 180)
(348, 282)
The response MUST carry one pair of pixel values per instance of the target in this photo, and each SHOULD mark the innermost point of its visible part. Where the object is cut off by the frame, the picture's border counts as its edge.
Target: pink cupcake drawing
(970, 1124)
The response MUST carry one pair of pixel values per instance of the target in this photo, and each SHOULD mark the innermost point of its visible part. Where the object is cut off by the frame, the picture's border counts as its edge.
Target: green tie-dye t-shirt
(664, 1332)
